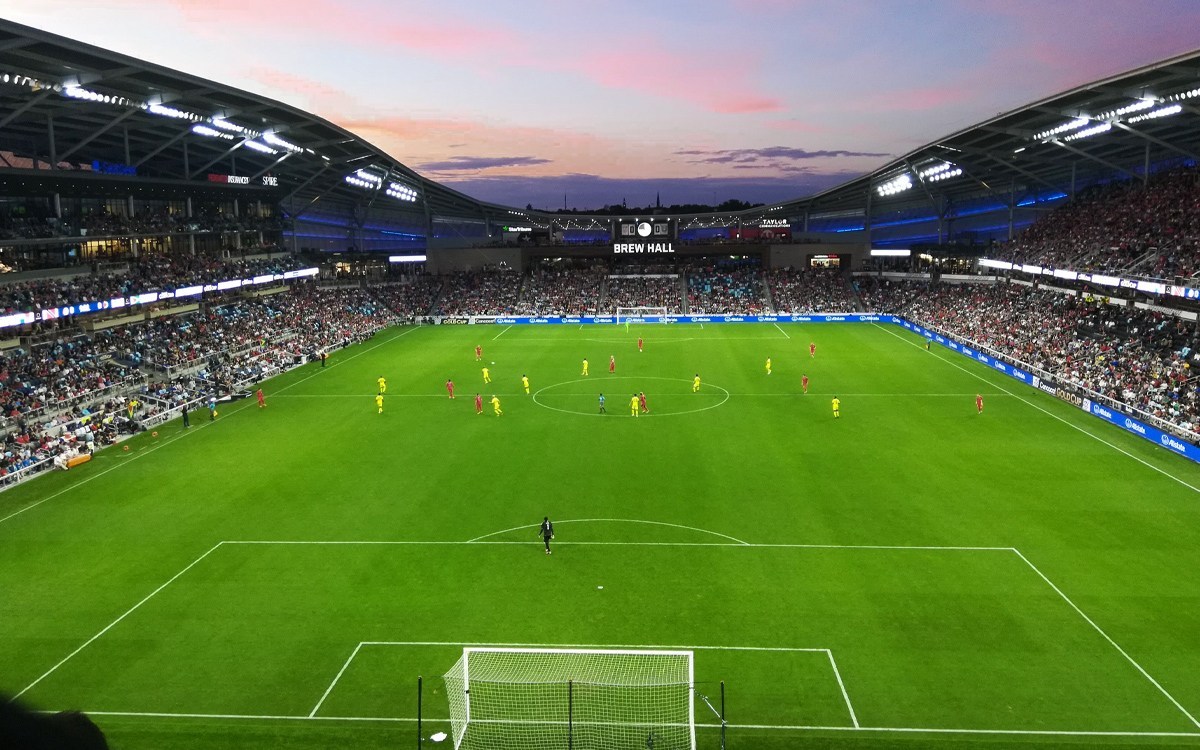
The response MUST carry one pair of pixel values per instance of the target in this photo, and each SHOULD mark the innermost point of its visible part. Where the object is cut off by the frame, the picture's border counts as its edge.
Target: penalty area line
(114, 623)
(1108, 638)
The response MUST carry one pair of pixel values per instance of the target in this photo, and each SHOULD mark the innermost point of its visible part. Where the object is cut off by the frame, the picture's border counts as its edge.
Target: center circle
(618, 404)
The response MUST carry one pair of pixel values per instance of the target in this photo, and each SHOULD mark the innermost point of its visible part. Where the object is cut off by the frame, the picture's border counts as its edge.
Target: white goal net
(641, 315)
(505, 698)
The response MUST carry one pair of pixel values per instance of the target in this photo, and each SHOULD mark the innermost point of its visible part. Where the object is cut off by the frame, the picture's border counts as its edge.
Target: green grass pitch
(913, 574)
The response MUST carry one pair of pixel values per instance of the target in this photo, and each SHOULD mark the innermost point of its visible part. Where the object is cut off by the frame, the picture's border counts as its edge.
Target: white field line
(740, 395)
(744, 545)
(1106, 637)
(613, 520)
(636, 647)
(785, 333)
(170, 440)
(767, 727)
(112, 624)
(941, 730)
(498, 335)
(1070, 424)
(125, 460)
(329, 689)
(842, 685)
(252, 717)
(347, 359)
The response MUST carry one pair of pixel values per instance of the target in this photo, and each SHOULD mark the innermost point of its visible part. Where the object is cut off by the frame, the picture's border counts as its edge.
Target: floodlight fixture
(1103, 127)
(201, 129)
(1075, 124)
(275, 140)
(1173, 109)
(895, 185)
(256, 146)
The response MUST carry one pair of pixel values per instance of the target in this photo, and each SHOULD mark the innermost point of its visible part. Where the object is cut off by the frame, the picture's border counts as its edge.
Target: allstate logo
(1131, 425)
(1173, 444)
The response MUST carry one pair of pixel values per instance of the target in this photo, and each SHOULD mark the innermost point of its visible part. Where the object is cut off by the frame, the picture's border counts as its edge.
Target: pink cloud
(644, 66)
(712, 82)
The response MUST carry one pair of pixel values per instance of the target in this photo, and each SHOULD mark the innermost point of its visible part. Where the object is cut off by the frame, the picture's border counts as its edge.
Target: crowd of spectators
(562, 292)
(801, 291)
(644, 291)
(150, 274)
(487, 292)
(102, 223)
(412, 298)
(715, 290)
(1138, 359)
(69, 393)
(1141, 229)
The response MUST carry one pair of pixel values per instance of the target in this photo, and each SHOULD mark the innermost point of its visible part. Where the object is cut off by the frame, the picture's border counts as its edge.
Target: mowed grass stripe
(772, 467)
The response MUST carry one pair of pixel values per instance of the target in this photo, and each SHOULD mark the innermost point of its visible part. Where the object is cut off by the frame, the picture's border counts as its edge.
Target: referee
(547, 532)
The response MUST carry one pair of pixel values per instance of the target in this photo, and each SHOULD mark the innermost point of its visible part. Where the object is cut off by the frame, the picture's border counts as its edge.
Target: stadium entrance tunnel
(664, 396)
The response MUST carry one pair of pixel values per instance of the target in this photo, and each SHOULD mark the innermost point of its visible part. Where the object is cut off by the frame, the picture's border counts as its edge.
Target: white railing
(20, 475)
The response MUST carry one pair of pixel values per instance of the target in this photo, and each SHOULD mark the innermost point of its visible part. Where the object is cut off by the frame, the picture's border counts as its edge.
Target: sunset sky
(528, 102)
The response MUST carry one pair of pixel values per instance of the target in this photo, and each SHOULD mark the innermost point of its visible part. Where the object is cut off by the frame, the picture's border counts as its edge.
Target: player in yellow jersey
(382, 385)
(379, 402)
(696, 383)
(487, 375)
(525, 382)
(634, 405)
(496, 405)
(585, 365)
(837, 407)
(768, 365)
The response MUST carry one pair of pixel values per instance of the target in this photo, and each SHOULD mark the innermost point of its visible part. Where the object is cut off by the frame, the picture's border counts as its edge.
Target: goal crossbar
(510, 697)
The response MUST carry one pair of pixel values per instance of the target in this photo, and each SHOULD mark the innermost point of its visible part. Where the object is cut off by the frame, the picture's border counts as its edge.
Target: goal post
(582, 699)
(641, 315)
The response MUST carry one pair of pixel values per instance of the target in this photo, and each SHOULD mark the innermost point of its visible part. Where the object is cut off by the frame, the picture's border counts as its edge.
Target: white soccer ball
(493, 363)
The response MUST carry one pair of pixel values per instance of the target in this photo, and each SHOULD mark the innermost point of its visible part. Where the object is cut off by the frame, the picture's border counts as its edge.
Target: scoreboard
(649, 236)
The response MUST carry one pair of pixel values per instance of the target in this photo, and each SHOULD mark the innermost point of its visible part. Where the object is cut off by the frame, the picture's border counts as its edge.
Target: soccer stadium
(304, 448)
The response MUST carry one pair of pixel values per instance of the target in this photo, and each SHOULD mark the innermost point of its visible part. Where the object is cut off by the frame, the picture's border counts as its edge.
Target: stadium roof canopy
(61, 99)
(1117, 126)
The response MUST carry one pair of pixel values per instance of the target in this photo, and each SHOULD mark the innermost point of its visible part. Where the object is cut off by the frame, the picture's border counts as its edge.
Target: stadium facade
(82, 127)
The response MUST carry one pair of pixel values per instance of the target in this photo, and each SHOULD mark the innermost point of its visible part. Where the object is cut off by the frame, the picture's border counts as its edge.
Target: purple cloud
(478, 163)
(756, 155)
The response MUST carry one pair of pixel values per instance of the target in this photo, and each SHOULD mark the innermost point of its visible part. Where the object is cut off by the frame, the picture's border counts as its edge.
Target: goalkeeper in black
(546, 530)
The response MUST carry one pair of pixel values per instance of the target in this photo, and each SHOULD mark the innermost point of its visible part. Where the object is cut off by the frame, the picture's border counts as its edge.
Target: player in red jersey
(812, 349)
(978, 404)
(450, 387)
(639, 343)
(804, 383)
(642, 402)
(261, 404)
(478, 404)
(612, 364)
(478, 353)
